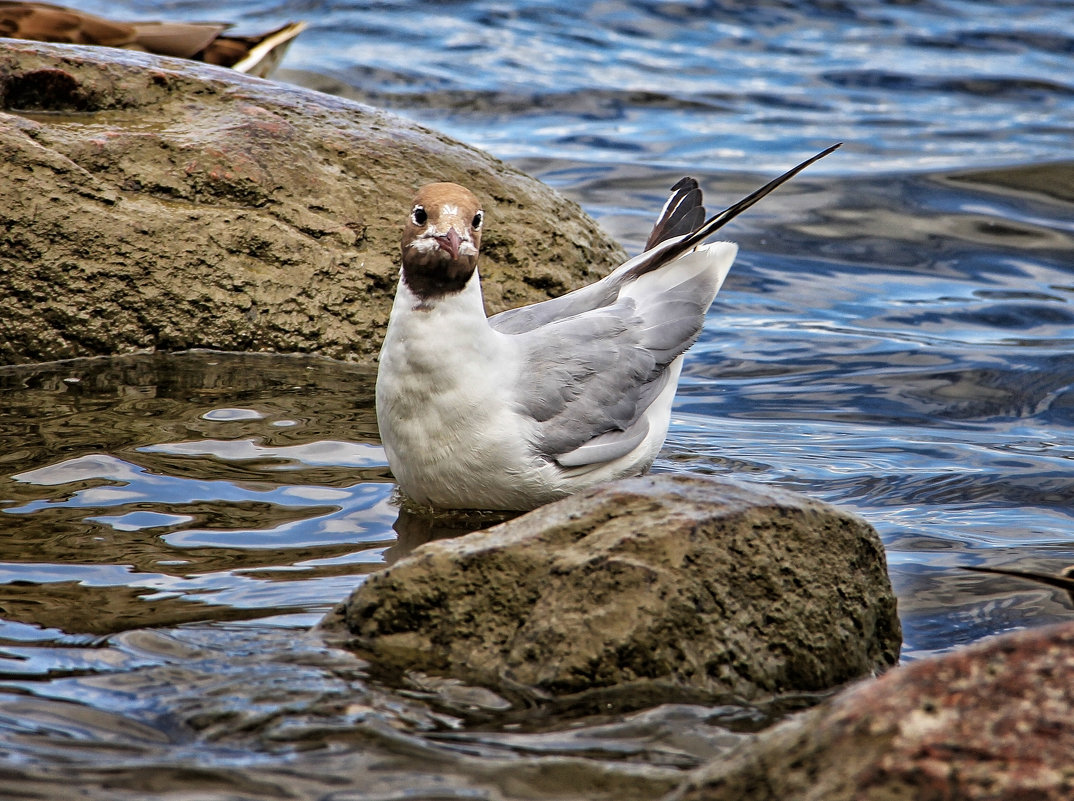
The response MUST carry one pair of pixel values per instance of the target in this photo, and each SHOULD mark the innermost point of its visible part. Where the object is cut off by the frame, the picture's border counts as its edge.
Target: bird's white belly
(451, 434)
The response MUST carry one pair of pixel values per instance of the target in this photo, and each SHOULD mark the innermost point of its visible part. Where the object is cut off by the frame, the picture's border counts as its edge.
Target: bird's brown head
(441, 239)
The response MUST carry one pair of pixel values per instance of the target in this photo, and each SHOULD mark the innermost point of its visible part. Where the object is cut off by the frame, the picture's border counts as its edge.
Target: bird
(1064, 580)
(256, 55)
(535, 403)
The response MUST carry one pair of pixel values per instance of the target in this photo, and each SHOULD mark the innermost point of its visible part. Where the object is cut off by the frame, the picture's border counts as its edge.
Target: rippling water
(896, 337)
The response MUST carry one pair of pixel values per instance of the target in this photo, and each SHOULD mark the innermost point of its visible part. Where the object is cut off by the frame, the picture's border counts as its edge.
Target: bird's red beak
(450, 242)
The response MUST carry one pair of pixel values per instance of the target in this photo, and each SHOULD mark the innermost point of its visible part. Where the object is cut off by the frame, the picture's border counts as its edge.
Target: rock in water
(990, 722)
(678, 584)
(150, 202)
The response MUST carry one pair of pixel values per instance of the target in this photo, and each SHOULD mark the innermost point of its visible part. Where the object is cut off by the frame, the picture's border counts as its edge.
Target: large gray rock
(988, 722)
(671, 584)
(149, 202)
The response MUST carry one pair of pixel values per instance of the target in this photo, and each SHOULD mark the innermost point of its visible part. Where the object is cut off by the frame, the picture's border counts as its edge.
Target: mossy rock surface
(150, 202)
(685, 586)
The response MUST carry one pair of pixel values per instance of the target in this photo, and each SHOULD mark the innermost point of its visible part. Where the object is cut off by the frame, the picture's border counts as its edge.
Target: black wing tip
(717, 221)
(682, 214)
(826, 152)
(686, 182)
(1063, 580)
(699, 232)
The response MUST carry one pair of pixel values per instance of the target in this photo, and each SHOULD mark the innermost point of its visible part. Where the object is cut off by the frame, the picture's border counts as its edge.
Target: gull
(513, 411)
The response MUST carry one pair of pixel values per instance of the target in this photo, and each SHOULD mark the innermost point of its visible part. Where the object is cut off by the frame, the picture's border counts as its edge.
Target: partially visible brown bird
(201, 41)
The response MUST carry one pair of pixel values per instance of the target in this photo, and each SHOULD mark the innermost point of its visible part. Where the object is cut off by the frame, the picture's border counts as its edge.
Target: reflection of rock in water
(74, 608)
(1064, 580)
(110, 523)
(1055, 180)
(105, 405)
(417, 526)
(970, 392)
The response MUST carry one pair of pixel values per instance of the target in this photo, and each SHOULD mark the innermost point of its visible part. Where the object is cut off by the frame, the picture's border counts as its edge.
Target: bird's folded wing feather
(590, 378)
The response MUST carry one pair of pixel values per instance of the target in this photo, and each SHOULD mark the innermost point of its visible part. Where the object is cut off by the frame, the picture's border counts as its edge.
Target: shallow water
(896, 337)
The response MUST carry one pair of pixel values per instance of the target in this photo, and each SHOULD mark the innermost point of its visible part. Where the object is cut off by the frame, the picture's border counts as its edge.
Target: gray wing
(528, 318)
(595, 362)
(589, 379)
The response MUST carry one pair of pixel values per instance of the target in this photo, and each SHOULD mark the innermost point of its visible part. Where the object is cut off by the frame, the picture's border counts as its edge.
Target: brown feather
(47, 23)
(178, 39)
(203, 41)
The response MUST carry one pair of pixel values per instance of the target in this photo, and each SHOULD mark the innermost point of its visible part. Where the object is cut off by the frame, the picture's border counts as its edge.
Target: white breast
(449, 429)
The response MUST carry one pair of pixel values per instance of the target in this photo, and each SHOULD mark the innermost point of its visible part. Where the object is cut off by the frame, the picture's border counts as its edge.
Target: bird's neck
(444, 341)
(454, 313)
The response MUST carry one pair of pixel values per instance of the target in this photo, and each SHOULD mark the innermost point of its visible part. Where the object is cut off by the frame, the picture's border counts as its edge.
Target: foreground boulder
(991, 721)
(694, 586)
(150, 202)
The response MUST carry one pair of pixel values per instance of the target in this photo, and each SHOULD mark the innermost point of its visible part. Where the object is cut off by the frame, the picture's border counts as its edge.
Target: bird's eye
(419, 216)
(477, 220)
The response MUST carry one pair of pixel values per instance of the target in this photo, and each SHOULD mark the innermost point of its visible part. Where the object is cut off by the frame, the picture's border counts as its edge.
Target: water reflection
(229, 711)
(177, 498)
(417, 526)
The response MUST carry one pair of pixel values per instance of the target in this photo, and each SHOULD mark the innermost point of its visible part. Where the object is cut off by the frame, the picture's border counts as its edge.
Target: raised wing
(592, 377)
(681, 215)
(680, 229)
(600, 356)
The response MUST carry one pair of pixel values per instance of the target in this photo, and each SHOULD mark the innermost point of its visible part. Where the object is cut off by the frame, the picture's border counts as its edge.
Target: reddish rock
(991, 722)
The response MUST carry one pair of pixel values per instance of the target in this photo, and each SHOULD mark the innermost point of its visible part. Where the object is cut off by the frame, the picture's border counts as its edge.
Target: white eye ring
(478, 219)
(419, 216)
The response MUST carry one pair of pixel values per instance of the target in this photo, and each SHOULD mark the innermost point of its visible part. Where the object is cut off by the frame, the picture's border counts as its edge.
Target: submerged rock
(671, 584)
(151, 202)
(991, 721)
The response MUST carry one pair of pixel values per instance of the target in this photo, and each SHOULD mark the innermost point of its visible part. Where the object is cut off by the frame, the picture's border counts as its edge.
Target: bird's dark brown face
(441, 240)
